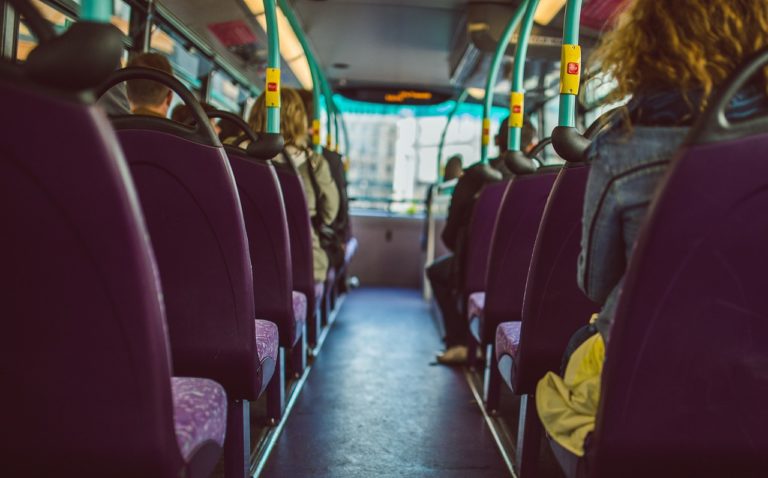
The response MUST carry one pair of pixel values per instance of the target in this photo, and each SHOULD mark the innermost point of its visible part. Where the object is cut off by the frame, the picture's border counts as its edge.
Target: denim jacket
(627, 165)
(625, 170)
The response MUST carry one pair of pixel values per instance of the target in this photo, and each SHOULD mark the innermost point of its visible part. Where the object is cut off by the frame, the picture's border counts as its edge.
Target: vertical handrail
(570, 64)
(454, 110)
(517, 94)
(272, 89)
(96, 11)
(330, 111)
(314, 70)
(493, 74)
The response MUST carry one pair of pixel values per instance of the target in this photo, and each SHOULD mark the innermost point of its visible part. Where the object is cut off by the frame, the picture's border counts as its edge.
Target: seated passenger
(445, 273)
(182, 114)
(320, 191)
(147, 97)
(453, 168)
(669, 87)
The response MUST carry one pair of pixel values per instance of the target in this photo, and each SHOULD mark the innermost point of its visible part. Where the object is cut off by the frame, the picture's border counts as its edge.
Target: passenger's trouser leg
(440, 274)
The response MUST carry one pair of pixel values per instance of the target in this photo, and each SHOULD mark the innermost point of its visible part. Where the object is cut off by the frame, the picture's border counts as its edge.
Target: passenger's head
(528, 137)
(293, 117)
(453, 168)
(183, 114)
(686, 46)
(147, 94)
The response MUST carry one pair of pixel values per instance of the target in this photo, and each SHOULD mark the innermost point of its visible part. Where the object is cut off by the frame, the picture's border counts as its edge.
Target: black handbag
(330, 241)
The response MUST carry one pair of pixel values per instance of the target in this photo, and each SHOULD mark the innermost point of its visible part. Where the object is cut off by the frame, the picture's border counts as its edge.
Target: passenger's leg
(440, 274)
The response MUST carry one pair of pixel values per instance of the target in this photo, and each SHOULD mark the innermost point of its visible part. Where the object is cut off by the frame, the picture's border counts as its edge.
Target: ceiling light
(476, 93)
(547, 10)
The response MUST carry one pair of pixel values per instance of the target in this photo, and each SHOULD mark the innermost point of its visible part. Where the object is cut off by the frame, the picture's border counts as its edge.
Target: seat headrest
(80, 59)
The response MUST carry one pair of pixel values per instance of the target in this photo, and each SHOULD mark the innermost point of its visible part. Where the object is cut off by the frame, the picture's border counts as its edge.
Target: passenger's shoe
(456, 355)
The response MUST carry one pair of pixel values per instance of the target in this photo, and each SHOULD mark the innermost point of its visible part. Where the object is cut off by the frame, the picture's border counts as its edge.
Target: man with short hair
(148, 97)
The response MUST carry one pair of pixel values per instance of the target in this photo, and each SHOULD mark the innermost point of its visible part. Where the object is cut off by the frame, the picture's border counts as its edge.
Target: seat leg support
(276, 390)
(528, 438)
(492, 381)
(299, 355)
(237, 445)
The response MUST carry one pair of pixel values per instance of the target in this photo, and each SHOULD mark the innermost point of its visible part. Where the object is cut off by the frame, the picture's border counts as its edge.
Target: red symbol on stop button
(517, 109)
(573, 68)
(271, 86)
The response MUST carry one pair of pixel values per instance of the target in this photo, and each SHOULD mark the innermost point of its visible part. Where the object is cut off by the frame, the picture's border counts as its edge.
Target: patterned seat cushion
(476, 305)
(199, 412)
(299, 309)
(507, 339)
(266, 340)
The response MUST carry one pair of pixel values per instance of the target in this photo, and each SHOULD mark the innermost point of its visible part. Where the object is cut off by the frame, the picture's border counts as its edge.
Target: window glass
(121, 16)
(26, 41)
(394, 150)
(225, 94)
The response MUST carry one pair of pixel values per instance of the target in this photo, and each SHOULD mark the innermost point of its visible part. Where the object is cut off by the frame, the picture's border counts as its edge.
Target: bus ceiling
(435, 45)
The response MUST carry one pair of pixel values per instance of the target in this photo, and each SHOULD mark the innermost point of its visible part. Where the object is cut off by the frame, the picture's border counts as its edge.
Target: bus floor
(373, 406)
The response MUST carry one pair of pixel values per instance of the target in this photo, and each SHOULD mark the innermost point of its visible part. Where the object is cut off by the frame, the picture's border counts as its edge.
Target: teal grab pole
(567, 115)
(336, 122)
(96, 11)
(273, 67)
(493, 74)
(516, 118)
(440, 147)
(328, 94)
(314, 69)
(343, 128)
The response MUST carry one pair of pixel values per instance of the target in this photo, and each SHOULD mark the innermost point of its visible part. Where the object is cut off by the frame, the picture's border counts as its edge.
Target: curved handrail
(201, 129)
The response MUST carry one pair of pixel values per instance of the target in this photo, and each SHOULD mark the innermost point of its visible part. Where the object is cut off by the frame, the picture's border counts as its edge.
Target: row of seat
(686, 361)
(141, 250)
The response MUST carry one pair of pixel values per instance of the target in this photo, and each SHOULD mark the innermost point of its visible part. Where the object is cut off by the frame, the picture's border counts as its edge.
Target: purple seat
(512, 247)
(319, 288)
(508, 339)
(685, 381)
(86, 371)
(299, 307)
(193, 212)
(475, 311)
(200, 413)
(301, 245)
(267, 345)
(269, 245)
(478, 247)
(350, 250)
(553, 307)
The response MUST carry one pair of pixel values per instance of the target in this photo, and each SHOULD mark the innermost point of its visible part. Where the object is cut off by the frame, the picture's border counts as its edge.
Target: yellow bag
(567, 405)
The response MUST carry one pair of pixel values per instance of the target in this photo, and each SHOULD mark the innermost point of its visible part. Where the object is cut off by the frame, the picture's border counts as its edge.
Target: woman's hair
(689, 46)
(293, 117)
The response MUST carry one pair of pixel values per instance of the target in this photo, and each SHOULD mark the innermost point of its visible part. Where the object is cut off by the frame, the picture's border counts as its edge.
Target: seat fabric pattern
(507, 339)
(199, 412)
(476, 305)
(267, 340)
(299, 310)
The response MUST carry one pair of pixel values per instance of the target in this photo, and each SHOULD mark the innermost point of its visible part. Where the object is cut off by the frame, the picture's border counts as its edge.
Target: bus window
(225, 94)
(26, 41)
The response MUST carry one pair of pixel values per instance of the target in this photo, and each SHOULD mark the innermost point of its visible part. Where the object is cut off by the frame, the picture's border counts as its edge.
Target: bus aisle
(373, 405)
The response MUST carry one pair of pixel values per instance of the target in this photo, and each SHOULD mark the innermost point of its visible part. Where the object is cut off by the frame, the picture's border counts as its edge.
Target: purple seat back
(480, 233)
(190, 202)
(685, 383)
(267, 228)
(553, 307)
(299, 229)
(85, 362)
(511, 248)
